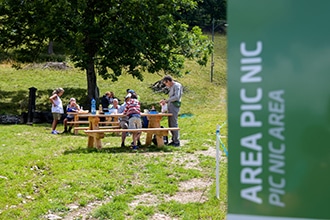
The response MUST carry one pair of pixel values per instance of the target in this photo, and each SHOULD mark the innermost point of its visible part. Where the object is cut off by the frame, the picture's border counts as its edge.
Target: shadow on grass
(116, 150)
(16, 102)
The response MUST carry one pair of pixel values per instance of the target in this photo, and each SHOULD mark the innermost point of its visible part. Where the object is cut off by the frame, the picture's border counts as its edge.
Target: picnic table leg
(154, 122)
(148, 139)
(95, 139)
(76, 118)
(160, 140)
(90, 142)
(159, 137)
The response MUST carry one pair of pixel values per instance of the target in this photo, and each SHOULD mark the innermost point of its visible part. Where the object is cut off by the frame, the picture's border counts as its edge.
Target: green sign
(279, 109)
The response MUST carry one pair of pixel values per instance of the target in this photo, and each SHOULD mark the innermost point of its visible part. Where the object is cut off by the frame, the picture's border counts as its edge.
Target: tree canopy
(107, 37)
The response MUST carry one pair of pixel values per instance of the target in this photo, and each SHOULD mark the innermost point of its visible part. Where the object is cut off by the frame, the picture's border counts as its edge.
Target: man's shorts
(69, 119)
(57, 116)
(134, 123)
(123, 124)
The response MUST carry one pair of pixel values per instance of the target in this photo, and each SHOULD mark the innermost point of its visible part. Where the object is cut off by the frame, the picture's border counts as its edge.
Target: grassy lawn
(43, 174)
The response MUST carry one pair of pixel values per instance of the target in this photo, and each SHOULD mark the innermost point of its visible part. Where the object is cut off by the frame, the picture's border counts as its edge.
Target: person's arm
(122, 108)
(126, 109)
(52, 99)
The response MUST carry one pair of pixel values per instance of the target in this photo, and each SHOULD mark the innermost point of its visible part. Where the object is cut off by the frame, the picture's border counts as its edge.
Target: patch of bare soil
(193, 190)
(78, 212)
(146, 199)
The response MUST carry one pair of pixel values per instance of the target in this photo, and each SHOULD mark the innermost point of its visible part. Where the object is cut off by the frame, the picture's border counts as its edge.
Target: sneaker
(54, 132)
(138, 144)
(135, 147)
(122, 145)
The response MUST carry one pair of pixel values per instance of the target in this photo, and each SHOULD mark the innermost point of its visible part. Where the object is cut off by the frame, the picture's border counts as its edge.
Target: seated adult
(115, 106)
(71, 107)
(105, 101)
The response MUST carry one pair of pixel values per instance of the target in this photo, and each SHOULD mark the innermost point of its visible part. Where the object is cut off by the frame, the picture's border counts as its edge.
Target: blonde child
(57, 107)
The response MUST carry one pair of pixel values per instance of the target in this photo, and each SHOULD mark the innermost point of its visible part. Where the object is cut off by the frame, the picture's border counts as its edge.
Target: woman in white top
(57, 107)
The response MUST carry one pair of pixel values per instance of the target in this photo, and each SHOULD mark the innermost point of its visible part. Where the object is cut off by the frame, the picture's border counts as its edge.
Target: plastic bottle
(164, 107)
(100, 109)
(93, 107)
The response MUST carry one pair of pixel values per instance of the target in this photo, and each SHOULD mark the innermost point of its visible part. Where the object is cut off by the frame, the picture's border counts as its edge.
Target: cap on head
(131, 91)
(72, 99)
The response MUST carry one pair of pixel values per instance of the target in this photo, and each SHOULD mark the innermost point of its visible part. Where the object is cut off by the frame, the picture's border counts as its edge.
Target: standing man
(173, 106)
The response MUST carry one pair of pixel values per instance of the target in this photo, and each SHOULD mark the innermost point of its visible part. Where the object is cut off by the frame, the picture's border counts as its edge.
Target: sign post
(278, 109)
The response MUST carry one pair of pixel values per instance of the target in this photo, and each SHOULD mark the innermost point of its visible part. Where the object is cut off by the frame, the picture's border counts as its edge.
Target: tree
(109, 36)
(204, 14)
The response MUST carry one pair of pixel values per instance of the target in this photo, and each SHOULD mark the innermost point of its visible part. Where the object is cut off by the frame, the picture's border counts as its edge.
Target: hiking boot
(174, 144)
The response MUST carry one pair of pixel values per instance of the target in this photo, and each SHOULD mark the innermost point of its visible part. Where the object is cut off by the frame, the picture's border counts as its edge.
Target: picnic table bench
(95, 136)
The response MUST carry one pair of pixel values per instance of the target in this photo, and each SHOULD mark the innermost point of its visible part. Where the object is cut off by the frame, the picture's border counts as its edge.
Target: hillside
(48, 176)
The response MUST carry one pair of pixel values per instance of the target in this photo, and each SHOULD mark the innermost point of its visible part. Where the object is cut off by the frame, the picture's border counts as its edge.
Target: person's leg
(123, 125)
(123, 138)
(134, 138)
(65, 124)
(54, 124)
(173, 122)
(133, 124)
(138, 125)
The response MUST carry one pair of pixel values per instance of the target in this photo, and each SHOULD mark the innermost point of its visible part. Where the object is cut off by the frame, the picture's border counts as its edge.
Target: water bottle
(164, 107)
(93, 108)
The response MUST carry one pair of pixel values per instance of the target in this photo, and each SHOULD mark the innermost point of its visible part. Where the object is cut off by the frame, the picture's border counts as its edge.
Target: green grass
(43, 173)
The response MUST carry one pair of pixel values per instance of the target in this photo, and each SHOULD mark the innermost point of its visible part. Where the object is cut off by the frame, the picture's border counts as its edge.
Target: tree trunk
(93, 91)
(50, 47)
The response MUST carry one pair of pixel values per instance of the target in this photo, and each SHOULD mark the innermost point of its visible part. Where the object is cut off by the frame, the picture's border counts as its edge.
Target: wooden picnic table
(95, 134)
